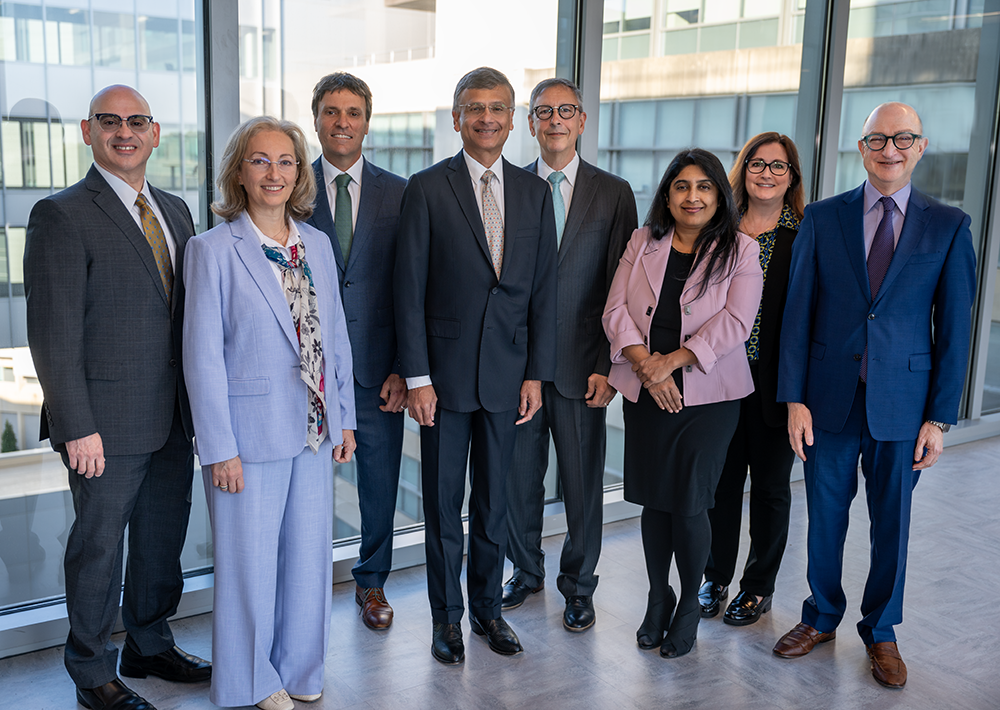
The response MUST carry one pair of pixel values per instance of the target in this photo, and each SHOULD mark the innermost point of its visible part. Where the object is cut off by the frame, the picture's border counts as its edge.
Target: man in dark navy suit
(874, 347)
(357, 205)
(475, 313)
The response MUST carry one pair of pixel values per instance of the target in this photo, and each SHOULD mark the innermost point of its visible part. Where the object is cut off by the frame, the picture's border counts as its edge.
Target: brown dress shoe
(375, 610)
(887, 666)
(800, 641)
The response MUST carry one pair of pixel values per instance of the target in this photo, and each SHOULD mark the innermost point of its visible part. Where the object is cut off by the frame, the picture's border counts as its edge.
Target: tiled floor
(950, 637)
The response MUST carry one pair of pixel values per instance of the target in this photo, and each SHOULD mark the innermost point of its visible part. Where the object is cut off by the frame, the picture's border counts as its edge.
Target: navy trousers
(380, 445)
(831, 480)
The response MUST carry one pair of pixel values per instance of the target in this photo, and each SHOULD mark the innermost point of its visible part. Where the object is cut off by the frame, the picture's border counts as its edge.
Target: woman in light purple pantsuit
(268, 369)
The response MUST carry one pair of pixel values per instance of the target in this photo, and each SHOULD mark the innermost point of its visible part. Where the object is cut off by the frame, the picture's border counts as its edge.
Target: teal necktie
(557, 204)
(342, 218)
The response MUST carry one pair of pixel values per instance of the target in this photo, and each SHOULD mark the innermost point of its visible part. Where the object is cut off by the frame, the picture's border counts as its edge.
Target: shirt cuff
(413, 382)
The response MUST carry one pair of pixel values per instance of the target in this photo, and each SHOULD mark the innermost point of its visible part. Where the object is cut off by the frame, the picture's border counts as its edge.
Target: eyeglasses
(778, 167)
(567, 111)
(498, 109)
(902, 141)
(112, 122)
(263, 164)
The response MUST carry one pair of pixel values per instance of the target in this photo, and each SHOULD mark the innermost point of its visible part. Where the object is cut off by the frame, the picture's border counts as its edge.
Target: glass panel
(680, 42)
(761, 8)
(763, 33)
(635, 46)
(52, 62)
(409, 59)
(722, 10)
(718, 37)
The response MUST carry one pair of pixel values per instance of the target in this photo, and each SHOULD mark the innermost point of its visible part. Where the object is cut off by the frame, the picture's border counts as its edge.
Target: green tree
(8, 440)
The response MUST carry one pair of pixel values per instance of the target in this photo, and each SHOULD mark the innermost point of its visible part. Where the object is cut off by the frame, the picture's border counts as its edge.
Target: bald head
(893, 110)
(110, 93)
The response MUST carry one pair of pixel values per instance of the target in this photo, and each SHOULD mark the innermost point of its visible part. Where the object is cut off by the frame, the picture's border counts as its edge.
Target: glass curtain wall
(411, 53)
(54, 55)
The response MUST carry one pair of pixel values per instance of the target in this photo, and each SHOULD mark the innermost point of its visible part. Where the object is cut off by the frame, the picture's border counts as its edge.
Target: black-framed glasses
(902, 141)
(477, 109)
(777, 167)
(263, 164)
(566, 111)
(137, 123)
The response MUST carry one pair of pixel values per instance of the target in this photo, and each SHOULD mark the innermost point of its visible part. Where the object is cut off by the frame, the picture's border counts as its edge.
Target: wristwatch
(940, 425)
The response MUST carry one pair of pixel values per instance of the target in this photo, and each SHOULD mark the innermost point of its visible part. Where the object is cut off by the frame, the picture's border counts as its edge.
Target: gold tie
(158, 242)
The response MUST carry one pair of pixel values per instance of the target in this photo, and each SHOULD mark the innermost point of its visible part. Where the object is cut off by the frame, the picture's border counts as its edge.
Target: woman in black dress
(680, 308)
(767, 187)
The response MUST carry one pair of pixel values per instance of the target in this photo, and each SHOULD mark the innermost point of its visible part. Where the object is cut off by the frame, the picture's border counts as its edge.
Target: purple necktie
(879, 256)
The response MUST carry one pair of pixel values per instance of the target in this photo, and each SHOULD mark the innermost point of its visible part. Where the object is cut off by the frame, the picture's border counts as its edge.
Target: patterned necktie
(879, 257)
(300, 293)
(157, 242)
(493, 222)
(557, 204)
(343, 218)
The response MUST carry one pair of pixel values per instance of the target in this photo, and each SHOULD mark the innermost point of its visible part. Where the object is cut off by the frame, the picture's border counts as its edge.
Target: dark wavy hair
(717, 245)
(794, 195)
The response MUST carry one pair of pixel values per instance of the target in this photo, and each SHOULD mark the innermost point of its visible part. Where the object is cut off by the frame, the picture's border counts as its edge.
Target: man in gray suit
(102, 273)
(357, 205)
(595, 216)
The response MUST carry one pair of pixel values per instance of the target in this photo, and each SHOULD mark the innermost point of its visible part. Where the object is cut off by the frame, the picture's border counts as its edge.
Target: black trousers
(580, 439)
(444, 450)
(151, 494)
(768, 455)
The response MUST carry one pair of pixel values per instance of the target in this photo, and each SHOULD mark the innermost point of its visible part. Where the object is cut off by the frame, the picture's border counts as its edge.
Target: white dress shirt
(330, 173)
(567, 185)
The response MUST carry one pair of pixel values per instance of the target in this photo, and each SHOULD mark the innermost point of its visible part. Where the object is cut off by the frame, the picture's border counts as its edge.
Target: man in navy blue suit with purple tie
(874, 347)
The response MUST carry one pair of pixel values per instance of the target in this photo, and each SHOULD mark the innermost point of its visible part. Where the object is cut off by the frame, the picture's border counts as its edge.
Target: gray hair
(482, 78)
(547, 84)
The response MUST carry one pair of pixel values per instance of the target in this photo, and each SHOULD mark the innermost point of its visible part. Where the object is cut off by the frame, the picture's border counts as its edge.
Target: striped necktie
(157, 242)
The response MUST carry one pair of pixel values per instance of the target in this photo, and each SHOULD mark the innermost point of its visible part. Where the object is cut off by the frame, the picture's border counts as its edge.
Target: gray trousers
(579, 433)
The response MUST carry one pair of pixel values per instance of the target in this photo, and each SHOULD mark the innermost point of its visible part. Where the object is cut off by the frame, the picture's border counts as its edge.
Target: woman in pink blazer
(681, 305)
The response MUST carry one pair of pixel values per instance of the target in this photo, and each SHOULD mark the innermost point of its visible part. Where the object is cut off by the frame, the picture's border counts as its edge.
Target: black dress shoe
(515, 592)
(744, 609)
(172, 664)
(711, 596)
(447, 645)
(111, 696)
(501, 637)
(579, 614)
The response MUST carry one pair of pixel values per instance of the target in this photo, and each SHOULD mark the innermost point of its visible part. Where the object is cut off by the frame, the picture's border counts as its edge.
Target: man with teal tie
(595, 215)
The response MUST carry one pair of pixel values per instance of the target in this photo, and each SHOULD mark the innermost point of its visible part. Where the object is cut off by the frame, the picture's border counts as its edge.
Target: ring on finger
(223, 488)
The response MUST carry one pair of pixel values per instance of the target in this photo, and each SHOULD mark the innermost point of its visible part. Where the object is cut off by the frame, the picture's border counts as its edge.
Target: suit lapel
(583, 195)
(323, 215)
(852, 230)
(248, 248)
(512, 190)
(654, 259)
(109, 202)
(461, 184)
(180, 230)
(371, 199)
(914, 225)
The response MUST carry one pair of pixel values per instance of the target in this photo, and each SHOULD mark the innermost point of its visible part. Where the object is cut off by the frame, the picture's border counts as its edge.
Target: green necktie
(342, 219)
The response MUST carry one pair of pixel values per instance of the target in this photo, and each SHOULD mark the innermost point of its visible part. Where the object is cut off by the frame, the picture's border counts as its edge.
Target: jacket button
(173, 362)
(347, 284)
(857, 357)
(871, 316)
(494, 290)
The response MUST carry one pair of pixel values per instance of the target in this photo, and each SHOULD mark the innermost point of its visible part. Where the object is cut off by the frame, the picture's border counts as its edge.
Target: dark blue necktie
(879, 256)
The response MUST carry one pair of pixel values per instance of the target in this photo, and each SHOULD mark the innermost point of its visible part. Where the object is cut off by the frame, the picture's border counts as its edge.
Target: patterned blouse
(766, 241)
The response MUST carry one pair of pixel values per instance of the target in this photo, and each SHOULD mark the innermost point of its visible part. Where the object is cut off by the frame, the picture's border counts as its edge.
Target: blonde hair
(233, 196)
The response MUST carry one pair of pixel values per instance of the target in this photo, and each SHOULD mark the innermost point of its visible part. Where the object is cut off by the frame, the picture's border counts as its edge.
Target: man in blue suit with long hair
(874, 347)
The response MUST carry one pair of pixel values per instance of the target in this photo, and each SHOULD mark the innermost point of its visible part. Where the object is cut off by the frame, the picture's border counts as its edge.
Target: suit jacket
(366, 278)
(772, 302)
(601, 218)
(715, 325)
(247, 395)
(105, 342)
(477, 337)
(914, 373)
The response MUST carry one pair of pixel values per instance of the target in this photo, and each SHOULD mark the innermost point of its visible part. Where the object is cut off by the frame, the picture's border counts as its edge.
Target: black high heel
(682, 634)
(656, 621)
